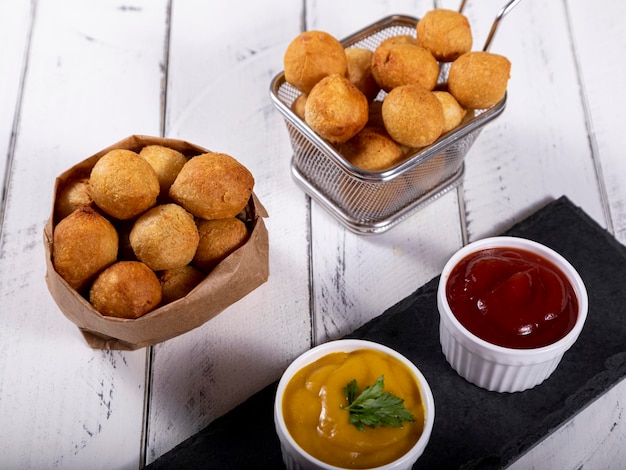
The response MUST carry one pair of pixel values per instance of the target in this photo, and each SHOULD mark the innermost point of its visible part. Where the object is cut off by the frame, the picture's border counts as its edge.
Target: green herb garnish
(373, 407)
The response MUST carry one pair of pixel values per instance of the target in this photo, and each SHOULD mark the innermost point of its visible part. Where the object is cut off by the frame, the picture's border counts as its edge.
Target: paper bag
(236, 276)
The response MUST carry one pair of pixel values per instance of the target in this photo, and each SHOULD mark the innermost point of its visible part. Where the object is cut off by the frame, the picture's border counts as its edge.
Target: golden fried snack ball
(123, 184)
(445, 33)
(311, 56)
(453, 112)
(213, 186)
(336, 109)
(413, 116)
(165, 162)
(126, 289)
(218, 239)
(84, 243)
(372, 149)
(479, 79)
(178, 282)
(165, 237)
(401, 64)
(360, 71)
(399, 39)
(73, 195)
(298, 105)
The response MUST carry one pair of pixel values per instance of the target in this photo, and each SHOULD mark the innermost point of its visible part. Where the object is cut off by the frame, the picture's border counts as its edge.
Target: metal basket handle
(507, 8)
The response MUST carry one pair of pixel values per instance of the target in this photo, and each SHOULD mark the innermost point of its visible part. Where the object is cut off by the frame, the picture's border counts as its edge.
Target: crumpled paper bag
(236, 276)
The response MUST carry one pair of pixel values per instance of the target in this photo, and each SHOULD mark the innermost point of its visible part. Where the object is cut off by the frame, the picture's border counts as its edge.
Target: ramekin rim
(503, 241)
(348, 345)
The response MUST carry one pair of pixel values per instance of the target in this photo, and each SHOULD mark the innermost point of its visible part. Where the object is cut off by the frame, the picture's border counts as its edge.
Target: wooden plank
(344, 18)
(594, 438)
(602, 76)
(93, 77)
(539, 148)
(220, 69)
(14, 30)
(356, 277)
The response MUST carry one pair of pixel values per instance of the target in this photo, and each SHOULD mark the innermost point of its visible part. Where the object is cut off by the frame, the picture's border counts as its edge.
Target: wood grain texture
(573, 447)
(539, 148)
(220, 70)
(96, 72)
(344, 18)
(14, 30)
(602, 81)
(356, 278)
(92, 78)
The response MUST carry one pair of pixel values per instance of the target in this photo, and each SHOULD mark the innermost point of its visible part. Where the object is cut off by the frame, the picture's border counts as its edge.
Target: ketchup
(512, 298)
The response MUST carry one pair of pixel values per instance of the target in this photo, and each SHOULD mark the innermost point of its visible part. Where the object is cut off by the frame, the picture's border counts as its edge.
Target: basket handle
(507, 8)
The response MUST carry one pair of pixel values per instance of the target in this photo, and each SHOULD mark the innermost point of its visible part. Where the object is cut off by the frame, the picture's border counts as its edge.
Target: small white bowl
(296, 458)
(494, 367)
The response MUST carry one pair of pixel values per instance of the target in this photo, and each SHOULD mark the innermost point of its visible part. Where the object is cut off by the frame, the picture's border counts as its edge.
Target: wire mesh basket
(370, 202)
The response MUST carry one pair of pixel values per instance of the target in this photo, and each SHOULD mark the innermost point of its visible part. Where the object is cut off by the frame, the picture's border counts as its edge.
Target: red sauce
(512, 298)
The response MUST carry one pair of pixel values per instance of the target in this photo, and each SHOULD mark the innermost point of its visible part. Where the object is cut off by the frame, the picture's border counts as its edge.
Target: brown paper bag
(236, 276)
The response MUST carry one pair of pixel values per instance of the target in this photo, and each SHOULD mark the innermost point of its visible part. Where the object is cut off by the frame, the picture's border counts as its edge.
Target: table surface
(77, 76)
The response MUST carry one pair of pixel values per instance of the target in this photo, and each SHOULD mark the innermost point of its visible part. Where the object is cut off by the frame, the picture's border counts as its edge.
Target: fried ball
(372, 149)
(298, 105)
(123, 184)
(311, 56)
(401, 64)
(178, 282)
(165, 162)
(479, 79)
(360, 71)
(453, 112)
(445, 33)
(336, 109)
(73, 195)
(84, 243)
(218, 239)
(165, 237)
(213, 186)
(126, 289)
(413, 116)
(400, 39)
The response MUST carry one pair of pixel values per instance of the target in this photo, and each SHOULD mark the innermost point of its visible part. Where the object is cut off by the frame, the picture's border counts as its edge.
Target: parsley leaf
(373, 407)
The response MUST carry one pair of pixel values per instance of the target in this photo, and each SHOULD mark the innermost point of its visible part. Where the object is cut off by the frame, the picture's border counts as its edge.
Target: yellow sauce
(313, 402)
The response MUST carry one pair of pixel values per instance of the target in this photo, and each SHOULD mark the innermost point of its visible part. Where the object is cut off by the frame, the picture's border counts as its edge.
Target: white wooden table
(77, 76)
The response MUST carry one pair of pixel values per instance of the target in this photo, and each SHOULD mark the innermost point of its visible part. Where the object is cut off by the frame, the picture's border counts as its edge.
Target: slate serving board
(474, 428)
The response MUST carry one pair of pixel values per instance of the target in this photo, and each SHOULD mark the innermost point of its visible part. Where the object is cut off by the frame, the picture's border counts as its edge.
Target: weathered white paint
(93, 77)
(350, 271)
(594, 438)
(95, 74)
(598, 41)
(14, 31)
(539, 149)
(221, 65)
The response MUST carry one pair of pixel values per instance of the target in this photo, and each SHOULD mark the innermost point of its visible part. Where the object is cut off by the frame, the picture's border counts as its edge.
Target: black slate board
(474, 428)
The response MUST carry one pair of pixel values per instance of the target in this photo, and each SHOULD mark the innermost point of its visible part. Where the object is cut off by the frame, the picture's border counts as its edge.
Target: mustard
(313, 411)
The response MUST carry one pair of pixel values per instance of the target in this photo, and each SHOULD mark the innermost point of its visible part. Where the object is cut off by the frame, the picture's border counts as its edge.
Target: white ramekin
(295, 458)
(498, 368)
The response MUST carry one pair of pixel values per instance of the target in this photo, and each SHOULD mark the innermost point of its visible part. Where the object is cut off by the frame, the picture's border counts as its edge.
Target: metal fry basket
(370, 202)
